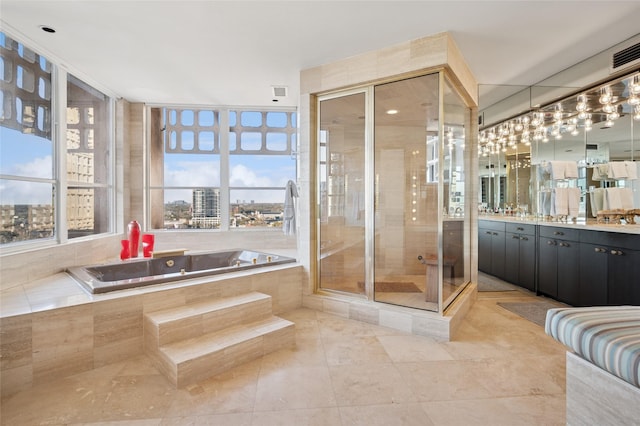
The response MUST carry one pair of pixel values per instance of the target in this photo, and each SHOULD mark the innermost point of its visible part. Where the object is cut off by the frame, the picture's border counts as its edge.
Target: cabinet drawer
(521, 228)
(491, 224)
(614, 239)
(559, 233)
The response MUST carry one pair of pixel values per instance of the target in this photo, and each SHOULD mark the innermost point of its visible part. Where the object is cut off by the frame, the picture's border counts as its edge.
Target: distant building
(205, 208)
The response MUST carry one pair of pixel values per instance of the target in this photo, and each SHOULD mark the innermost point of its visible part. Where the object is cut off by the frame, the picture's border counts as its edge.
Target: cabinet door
(623, 277)
(527, 265)
(568, 272)
(548, 267)
(512, 258)
(497, 253)
(593, 275)
(484, 250)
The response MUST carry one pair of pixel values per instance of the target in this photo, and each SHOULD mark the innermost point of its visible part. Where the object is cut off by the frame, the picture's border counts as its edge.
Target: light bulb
(605, 97)
(575, 132)
(582, 103)
(609, 123)
(633, 100)
(608, 108)
(526, 119)
(582, 115)
(557, 114)
(635, 86)
(636, 112)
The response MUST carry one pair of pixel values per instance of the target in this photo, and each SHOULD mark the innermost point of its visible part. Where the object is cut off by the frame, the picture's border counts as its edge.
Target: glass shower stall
(393, 222)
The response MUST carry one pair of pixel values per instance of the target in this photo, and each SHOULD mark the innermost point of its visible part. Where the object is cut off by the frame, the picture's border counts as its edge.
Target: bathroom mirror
(590, 127)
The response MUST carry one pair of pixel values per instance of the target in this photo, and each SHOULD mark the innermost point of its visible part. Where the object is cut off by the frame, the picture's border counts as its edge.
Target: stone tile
(294, 387)
(368, 384)
(15, 342)
(13, 301)
(62, 342)
(413, 349)
(411, 414)
(354, 350)
(314, 416)
(528, 410)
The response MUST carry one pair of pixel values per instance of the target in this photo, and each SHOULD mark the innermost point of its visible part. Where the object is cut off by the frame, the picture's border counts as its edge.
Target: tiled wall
(47, 345)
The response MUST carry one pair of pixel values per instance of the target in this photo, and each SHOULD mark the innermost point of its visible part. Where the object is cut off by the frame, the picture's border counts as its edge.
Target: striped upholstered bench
(603, 366)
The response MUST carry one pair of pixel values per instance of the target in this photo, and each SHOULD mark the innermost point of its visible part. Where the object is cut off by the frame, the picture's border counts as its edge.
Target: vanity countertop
(587, 226)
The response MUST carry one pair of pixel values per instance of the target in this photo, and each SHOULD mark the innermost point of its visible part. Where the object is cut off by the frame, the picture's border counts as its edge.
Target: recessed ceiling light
(392, 111)
(47, 29)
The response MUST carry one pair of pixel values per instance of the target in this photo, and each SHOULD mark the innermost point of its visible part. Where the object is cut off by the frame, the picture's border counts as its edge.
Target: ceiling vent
(279, 91)
(626, 58)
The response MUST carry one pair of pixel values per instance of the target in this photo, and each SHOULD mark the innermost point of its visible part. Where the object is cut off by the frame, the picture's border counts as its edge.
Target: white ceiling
(233, 52)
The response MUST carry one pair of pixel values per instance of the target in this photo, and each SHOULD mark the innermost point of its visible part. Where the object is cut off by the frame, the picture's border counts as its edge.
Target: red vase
(134, 238)
(124, 252)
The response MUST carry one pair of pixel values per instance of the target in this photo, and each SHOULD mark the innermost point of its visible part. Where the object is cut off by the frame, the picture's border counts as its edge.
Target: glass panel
(342, 189)
(456, 269)
(406, 192)
(256, 208)
(26, 211)
(25, 155)
(88, 160)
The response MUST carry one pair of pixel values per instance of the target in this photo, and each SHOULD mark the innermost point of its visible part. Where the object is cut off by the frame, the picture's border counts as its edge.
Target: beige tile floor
(500, 370)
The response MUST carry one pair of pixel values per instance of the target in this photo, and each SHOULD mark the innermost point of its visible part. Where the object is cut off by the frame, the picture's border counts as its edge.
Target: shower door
(341, 177)
(406, 150)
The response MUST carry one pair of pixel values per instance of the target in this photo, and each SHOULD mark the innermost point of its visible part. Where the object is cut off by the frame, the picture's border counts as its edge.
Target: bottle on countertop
(134, 238)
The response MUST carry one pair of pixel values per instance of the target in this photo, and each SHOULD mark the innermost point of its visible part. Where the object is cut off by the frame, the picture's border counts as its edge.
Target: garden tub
(148, 271)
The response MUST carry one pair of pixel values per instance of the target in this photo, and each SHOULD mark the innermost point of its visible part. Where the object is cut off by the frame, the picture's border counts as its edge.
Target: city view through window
(194, 147)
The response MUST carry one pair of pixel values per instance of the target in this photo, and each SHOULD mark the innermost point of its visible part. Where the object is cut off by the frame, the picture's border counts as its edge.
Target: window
(220, 176)
(30, 169)
(88, 160)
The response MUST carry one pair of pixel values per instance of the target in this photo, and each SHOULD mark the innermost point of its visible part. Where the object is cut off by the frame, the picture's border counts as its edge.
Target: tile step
(195, 359)
(193, 320)
(166, 316)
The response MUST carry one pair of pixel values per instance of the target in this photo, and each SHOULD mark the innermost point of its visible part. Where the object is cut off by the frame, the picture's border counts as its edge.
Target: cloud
(193, 173)
(41, 167)
(14, 192)
(241, 175)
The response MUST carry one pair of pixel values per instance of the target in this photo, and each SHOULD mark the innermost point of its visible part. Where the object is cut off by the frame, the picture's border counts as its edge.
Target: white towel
(597, 201)
(596, 174)
(573, 201)
(612, 199)
(557, 169)
(617, 170)
(632, 169)
(571, 170)
(626, 198)
(289, 222)
(560, 205)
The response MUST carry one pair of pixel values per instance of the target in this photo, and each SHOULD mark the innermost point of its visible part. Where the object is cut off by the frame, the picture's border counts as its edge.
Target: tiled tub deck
(52, 328)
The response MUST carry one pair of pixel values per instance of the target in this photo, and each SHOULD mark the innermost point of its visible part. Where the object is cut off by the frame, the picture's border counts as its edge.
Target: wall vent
(592, 146)
(626, 57)
(279, 91)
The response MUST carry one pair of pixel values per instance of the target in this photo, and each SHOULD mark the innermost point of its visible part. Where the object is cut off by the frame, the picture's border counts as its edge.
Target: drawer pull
(600, 250)
(558, 233)
(551, 243)
(488, 232)
(524, 238)
(515, 237)
(617, 252)
(520, 229)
